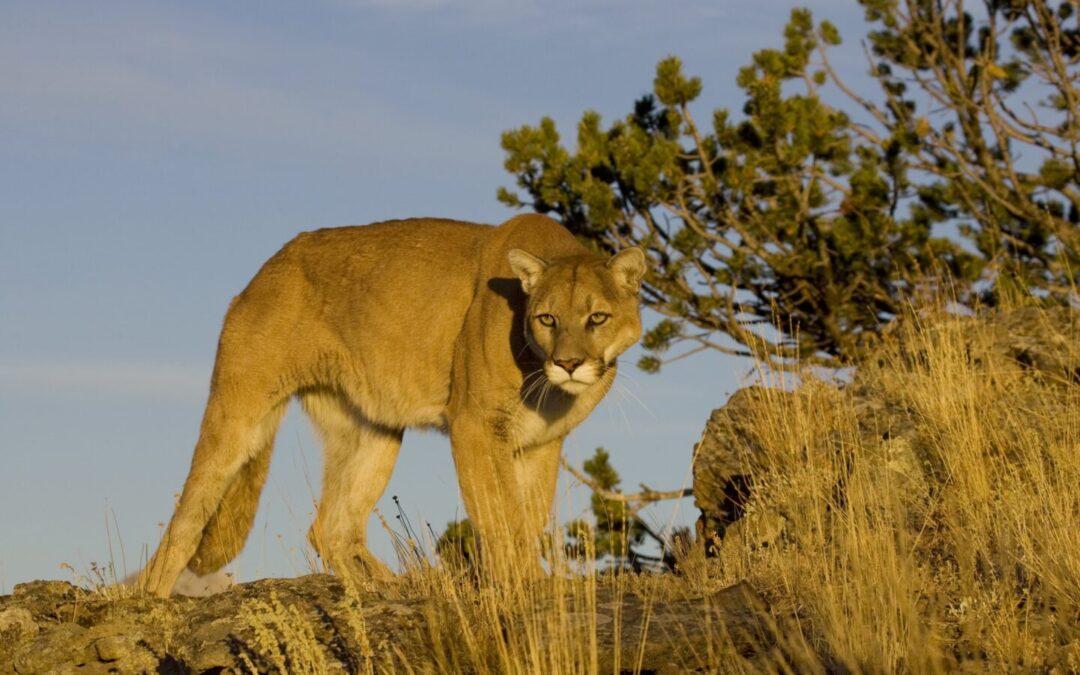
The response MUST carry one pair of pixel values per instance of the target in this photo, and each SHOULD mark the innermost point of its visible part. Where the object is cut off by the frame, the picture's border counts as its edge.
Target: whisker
(626, 391)
(532, 374)
(548, 387)
(538, 371)
(625, 373)
(618, 400)
(531, 387)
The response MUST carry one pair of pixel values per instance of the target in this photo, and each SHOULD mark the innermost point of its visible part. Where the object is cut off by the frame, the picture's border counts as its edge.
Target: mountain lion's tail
(225, 534)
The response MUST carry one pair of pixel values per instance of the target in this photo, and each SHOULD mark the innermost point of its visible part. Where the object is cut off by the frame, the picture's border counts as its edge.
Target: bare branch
(640, 499)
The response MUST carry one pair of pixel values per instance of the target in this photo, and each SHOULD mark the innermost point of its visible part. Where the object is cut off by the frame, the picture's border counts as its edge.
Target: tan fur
(413, 323)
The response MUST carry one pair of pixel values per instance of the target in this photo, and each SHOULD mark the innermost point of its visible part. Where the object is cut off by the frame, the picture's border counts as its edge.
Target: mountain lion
(504, 337)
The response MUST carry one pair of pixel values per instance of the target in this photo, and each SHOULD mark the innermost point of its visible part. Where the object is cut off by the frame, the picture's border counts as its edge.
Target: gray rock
(114, 647)
(17, 624)
(51, 650)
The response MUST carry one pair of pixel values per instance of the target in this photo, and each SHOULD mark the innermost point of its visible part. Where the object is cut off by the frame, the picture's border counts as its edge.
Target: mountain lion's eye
(546, 320)
(597, 318)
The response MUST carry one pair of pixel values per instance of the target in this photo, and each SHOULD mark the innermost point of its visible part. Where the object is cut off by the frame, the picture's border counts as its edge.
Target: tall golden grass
(952, 545)
(955, 544)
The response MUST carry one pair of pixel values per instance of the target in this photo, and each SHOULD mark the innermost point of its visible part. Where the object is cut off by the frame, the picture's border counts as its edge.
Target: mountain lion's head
(582, 312)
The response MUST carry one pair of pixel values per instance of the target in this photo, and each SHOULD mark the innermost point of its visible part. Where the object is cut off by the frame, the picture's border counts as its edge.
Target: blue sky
(154, 154)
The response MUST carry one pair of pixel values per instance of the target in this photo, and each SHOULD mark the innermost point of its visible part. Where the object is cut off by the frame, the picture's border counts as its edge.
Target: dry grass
(472, 625)
(953, 546)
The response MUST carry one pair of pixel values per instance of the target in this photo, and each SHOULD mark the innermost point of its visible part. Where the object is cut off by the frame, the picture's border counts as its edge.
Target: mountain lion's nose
(568, 364)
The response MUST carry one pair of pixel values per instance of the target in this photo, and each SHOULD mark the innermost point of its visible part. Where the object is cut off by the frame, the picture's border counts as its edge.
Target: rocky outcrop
(725, 459)
(1043, 345)
(292, 624)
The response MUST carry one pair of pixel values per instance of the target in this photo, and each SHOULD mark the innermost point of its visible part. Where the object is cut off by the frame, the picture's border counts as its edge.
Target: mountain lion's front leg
(494, 501)
(537, 471)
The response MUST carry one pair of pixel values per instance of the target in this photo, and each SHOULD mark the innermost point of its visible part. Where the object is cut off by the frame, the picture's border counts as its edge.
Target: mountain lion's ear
(628, 266)
(527, 267)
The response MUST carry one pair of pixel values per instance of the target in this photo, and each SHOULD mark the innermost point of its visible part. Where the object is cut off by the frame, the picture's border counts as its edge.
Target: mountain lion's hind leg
(359, 457)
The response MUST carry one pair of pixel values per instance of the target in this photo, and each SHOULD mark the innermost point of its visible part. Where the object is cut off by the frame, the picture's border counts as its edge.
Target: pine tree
(791, 232)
